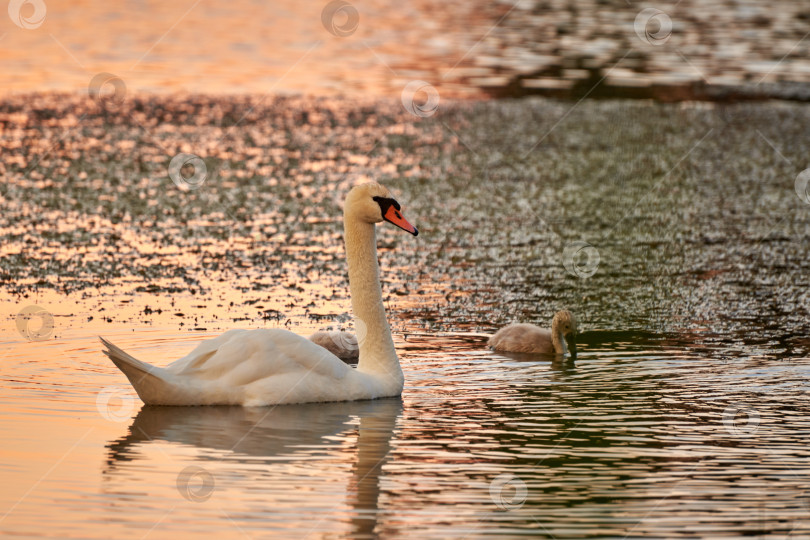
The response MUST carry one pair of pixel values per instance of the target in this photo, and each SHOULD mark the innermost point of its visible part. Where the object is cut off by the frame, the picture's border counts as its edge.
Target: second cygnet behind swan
(342, 344)
(530, 338)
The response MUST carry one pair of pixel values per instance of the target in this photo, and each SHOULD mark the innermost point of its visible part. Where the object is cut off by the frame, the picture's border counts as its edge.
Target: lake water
(373, 48)
(377, 47)
(652, 440)
(686, 413)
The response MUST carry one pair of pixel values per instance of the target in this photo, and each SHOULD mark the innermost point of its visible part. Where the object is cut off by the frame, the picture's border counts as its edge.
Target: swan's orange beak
(395, 216)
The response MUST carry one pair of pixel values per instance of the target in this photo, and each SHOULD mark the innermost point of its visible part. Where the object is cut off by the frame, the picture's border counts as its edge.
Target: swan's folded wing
(312, 357)
(196, 359)
(241, 357)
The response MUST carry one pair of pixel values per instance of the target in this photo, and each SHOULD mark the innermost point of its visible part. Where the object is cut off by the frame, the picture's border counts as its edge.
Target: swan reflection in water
(288, 431)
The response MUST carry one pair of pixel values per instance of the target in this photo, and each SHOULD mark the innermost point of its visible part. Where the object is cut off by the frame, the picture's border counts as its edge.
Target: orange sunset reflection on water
(245, 47)
(647, 432)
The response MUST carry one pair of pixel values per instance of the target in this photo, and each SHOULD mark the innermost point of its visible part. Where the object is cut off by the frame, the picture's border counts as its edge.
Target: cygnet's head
(373, 203)
(565, 323)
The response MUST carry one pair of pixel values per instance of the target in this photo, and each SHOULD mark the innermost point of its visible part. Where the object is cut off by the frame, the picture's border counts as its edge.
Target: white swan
(274, 366)
(529, 338)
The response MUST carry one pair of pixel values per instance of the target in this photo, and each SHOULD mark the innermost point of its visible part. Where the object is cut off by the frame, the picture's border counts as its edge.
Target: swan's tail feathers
(149, 381)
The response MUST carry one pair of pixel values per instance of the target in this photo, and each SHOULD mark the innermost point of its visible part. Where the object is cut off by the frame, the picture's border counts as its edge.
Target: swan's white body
(275, 366)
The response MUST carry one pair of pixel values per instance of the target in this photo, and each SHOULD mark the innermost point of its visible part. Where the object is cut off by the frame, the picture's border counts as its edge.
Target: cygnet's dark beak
(571, 341)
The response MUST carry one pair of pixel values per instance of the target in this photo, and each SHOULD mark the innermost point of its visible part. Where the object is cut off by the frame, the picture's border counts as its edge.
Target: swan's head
(373, 203)
(565, 323)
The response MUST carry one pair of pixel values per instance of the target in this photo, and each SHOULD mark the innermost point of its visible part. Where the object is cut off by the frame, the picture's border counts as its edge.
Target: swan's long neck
(377, 353)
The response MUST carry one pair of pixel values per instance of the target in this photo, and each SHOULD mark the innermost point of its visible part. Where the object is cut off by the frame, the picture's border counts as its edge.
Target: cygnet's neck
(377, 353)
(557, 340)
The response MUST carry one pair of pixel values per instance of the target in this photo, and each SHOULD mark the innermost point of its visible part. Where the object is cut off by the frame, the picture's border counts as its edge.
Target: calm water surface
(641, 441)
(685, 415)
(247, 46)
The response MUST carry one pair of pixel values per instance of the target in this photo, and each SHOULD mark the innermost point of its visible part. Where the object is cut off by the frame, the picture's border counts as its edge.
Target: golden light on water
(238, 48)
(169, 172)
